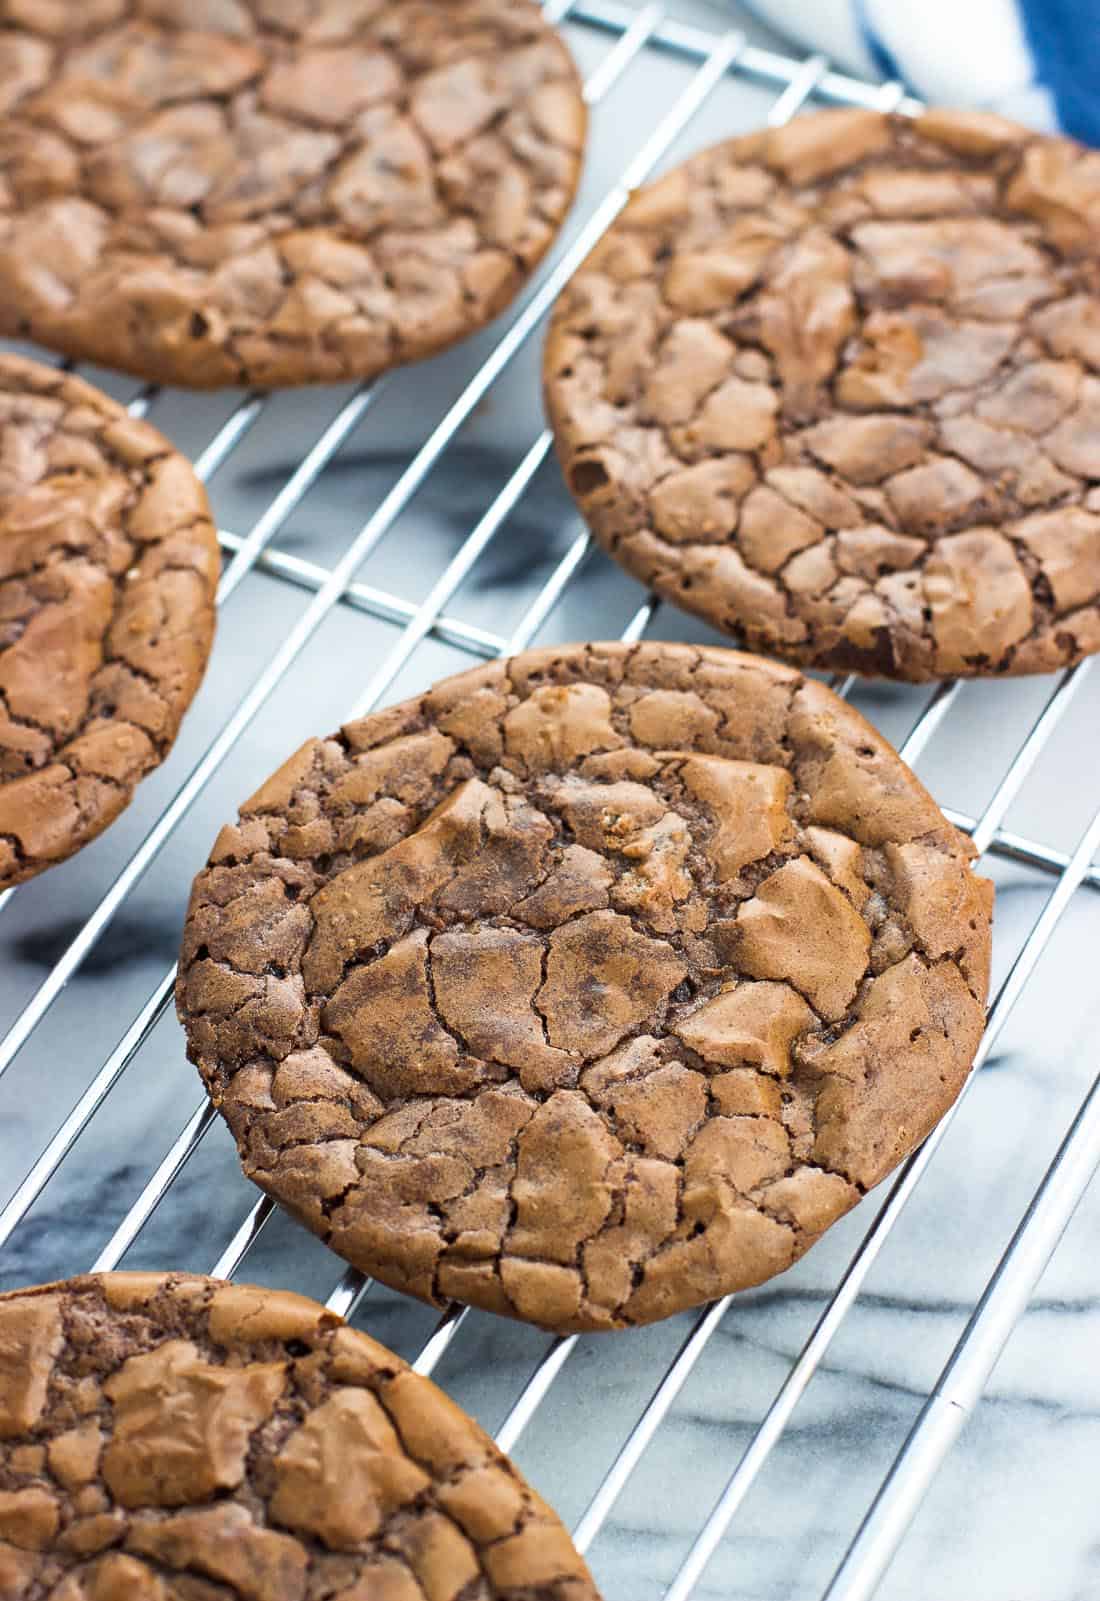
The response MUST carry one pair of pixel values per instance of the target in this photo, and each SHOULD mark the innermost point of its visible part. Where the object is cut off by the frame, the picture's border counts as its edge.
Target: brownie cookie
(835, 387)
(165, 1437)
(269, 192)
(108, 567)
(590, 985)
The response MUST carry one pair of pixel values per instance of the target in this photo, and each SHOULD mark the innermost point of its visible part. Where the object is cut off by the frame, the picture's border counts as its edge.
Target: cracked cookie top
(269, 192)
(836, 388)
(175, 1438)
(588, 986)
(108, 567)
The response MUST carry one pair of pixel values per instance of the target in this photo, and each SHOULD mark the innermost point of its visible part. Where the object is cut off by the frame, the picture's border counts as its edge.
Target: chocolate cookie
(174, 1438)
(268, 192)
(108, 567)
(835, 387)
(588, 986)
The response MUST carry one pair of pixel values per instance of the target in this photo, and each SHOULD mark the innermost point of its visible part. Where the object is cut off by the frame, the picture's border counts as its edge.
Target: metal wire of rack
(712, 61)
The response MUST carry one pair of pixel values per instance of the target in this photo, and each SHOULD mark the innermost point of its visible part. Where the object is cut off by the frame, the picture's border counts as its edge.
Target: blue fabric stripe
(882, 58)
(1064, 36)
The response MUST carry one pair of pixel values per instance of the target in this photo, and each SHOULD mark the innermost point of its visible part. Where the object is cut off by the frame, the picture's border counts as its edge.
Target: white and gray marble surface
(1013, 1515)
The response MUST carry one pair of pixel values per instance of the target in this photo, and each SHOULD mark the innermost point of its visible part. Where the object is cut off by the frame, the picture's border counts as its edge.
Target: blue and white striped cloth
(1035, 60)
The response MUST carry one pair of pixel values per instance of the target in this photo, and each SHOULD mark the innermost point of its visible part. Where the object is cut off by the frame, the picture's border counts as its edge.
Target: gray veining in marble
(1013, 1515)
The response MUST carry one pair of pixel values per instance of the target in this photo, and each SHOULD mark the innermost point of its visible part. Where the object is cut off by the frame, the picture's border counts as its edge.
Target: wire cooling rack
(395, 532)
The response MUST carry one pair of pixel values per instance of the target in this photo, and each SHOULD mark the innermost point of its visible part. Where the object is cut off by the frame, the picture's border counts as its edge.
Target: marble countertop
(1012, 1515)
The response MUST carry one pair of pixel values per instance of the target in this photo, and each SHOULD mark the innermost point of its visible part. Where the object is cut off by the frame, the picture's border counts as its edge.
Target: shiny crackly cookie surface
(108, 563)
(264, 192)
(836, 387)
(589, 986)
(171, 1438)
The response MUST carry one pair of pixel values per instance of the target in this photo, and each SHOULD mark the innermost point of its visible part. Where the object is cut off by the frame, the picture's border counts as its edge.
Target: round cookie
(835, 387)
(166, 1437)
(588, 986)
(108, 569)
(272, 192)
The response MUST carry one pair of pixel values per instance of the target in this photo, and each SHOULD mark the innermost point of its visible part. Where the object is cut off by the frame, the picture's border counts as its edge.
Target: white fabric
(949, 52)
(827, 27)
(956, 52)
